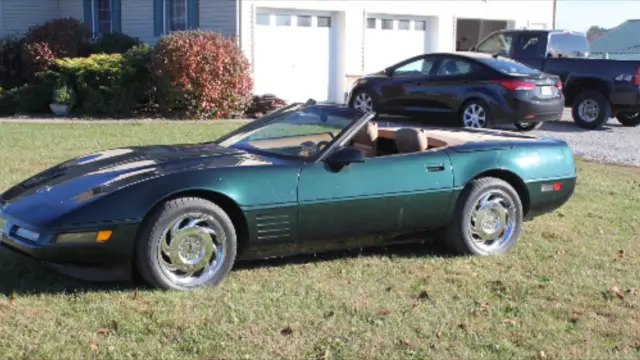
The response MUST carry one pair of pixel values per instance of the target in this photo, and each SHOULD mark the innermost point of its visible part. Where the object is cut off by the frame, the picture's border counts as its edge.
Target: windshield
(508, 66)
(299, 131)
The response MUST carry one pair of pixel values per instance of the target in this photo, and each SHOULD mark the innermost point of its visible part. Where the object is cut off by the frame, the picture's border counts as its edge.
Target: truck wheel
(591, 109)
(629, 118)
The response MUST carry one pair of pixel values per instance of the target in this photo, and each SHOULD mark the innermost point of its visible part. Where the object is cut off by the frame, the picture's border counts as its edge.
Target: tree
(595, 32)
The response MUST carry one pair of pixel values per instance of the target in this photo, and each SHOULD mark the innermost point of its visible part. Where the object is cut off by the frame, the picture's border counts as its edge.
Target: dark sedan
(469, 89)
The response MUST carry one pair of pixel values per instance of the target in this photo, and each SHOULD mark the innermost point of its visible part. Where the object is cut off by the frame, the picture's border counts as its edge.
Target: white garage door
(294, 54)
(390, 39)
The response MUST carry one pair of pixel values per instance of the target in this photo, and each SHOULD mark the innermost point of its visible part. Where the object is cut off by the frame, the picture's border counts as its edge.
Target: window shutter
(116, 15)
(158, 17)
(193, 14)
(88, 15)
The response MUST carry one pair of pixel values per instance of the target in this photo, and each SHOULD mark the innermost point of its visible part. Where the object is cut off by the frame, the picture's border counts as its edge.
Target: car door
(382, 195)
(404, 91)
(454, 78)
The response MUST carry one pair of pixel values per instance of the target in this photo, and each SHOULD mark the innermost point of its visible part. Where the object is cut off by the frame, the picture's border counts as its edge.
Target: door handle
(435, 167)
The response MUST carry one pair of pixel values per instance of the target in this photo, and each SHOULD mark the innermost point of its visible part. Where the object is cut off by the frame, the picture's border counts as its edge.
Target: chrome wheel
(192, 249)
(363, 102)
(588, 110)
(493, 220)
(474, 116)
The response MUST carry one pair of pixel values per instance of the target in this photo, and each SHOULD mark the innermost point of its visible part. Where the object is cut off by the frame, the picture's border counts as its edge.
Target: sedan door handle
(435, 167)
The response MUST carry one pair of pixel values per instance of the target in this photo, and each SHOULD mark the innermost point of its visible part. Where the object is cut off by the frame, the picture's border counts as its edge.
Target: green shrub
(106, 84)
(200, 74)
(63, 94)
(29, 99)
(11, 64)
(115, 43)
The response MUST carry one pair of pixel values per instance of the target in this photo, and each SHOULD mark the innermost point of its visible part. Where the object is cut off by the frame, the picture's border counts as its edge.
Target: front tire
(629, 119)
(187, 243)
(487, 219)
(475, 114)
(591, 109)
(528, 126)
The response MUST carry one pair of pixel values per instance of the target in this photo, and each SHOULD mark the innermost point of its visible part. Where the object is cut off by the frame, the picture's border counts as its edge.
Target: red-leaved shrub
(58, 38)
(201, 74)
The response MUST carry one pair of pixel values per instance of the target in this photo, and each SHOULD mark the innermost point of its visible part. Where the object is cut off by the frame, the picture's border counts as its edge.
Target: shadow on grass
(24, 277)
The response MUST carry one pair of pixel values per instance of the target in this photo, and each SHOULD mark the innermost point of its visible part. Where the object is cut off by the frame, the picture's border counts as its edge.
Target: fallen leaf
(388, 289)
(424, 295)
(383, 313)
(103, 331)
(324, 356)
(415, 306)
(439, 333)
(13, 300)
(135, 295)
(616, 290)
(418, 330)
(115, 325)
(541, 286)
(509, 322)
(93, 347)
(348, 282)
(632, 291)
(542, 355)
(286, 331)
(404, 342)
(462, 326)
(578, 312)
(620, 253)
(561, 252)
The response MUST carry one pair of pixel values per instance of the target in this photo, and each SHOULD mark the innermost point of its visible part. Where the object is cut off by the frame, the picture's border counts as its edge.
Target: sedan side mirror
(388, 72)
(345, 156)
(473, 48)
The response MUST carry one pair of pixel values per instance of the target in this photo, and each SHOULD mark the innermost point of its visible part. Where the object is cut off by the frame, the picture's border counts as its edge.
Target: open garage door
(469, 32)
(294, 54)
(391, 39)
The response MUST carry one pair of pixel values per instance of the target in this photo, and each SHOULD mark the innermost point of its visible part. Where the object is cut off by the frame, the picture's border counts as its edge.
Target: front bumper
(107, 261)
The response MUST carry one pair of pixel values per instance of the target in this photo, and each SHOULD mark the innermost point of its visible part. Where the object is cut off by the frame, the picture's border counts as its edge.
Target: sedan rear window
(508, 66)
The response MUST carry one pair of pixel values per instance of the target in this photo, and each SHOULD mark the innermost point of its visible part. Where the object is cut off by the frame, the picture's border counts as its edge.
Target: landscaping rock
(263, 104)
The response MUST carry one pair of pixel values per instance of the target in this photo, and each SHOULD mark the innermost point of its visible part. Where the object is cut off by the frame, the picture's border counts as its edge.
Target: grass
(550, 297)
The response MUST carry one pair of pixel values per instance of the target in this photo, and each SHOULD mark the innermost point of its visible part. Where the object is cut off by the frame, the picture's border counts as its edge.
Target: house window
(324, 21)
(420, 25)
(262, 19)
(102, 23)
(387, 24)
(371, 23)
(175, 13)
(283, 20)
(304, 20)
(404, 25)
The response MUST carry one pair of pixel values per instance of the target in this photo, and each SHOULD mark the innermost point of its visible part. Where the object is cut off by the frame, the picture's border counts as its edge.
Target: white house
(301, 48)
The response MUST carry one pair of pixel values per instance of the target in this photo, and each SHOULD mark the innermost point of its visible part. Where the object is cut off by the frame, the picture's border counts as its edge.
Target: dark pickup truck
(595, 89)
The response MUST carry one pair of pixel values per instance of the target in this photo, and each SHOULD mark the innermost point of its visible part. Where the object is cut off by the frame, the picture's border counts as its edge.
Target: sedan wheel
(187, 243)
(488, 218)
(475, 115)
(364, 102)
(629, 119)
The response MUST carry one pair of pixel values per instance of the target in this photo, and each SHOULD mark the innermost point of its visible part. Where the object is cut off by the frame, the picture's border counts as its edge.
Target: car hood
(66, 185)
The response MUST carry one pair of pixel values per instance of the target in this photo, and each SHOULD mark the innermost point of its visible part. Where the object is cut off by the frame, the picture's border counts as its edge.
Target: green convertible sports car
(305, 178)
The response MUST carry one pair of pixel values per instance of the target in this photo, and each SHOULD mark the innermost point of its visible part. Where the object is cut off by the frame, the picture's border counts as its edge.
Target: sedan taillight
(559, 85)
(515, 84)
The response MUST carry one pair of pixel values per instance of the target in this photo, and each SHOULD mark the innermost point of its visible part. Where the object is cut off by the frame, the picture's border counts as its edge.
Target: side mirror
(345, 156)
(473, 48)
(388, 72)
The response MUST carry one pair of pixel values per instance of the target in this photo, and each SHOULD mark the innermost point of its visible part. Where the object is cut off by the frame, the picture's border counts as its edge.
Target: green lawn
(550, 297)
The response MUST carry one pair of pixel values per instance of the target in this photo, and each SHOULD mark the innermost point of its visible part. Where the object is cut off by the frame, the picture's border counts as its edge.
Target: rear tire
(363, 100)
(475, 113)
(629, 119)
(528, 126)
(591, 109)
(187, 243)
(475, 228)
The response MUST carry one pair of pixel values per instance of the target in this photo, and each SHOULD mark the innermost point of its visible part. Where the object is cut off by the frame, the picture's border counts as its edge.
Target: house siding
(137, 20)
(72, 8)
(19, 15)
(220, 16)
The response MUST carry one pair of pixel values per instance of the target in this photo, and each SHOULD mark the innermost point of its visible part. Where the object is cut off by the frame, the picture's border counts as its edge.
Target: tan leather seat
(410, 140)
(365, 139)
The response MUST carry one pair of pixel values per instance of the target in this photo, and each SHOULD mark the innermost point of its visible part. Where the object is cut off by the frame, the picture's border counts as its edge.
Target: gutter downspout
(555, 9)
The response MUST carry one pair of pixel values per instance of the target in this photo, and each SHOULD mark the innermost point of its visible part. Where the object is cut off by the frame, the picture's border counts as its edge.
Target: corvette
(305, 178)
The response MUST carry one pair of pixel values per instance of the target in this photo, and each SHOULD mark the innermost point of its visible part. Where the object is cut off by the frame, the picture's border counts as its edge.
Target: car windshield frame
(493, 62)
(237, 136)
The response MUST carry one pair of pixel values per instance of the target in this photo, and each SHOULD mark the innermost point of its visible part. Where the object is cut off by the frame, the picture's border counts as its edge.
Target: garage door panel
(294, 54)
(391, 39)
